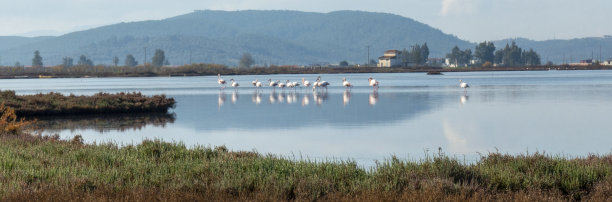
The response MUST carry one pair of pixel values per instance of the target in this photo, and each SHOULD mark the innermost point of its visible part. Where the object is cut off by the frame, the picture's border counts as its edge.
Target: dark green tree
(130, 61)
(405, 56)
(116, 60)
(372, 62)
(246, 61)
(459, 57)
(485, 52)
(37, 61)
(344, 63)
(84, 61)
(499, 57)
(67, 62)
(18, 64)
(512, 55)
(424, 53)
(158, 58)
(531, 58)
(415, 55)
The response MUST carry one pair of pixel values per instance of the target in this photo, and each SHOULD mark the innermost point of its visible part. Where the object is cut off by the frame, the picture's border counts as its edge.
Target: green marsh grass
(34, 167)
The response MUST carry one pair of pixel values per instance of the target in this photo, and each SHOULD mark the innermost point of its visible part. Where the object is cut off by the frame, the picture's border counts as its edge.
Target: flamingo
(257, 84)
(234, 84)
(374, 83)
(323, 84)
(272, 84)
(316, 84)
(305, 83)
(281, 85)
(346, 83)
(463, 85)
(220, 81)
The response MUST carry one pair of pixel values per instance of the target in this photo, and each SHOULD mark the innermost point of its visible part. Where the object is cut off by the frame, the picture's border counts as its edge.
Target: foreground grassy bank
(100, 103)
(46, 168)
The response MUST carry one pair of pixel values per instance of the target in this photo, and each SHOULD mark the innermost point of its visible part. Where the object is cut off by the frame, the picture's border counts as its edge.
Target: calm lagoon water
(558, 112)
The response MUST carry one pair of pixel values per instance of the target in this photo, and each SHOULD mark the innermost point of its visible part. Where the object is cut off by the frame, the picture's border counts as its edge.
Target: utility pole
(190, 57)
(599, 53)
(368, 62)
(145, 57)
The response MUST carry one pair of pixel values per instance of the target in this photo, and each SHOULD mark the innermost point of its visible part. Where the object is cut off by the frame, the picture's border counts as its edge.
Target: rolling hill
(272, 37)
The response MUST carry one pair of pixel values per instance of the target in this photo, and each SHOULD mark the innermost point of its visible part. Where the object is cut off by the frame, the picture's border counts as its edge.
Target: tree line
(486, 55)
(159, 59)
(417, 55)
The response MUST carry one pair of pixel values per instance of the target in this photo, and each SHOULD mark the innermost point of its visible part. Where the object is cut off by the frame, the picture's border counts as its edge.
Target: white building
(390, 58)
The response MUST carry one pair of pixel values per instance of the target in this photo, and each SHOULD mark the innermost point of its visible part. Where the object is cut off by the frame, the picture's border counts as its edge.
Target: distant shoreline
(210, 70)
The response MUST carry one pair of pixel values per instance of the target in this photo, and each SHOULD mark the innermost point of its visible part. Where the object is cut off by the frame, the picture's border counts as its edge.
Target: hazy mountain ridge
(272, 37)
(566, 50)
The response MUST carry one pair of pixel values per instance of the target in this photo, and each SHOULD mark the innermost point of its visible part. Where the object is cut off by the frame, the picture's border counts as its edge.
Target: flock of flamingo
(317, 84)
(319, 89)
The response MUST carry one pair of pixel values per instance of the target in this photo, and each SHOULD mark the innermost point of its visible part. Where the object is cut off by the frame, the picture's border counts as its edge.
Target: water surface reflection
(102, 123)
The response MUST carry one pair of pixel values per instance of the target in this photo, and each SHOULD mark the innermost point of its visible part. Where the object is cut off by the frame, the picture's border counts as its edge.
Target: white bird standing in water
(257, 84)
(346, 83)
(220, 81)
(305, 83)
(272, 84)
(234, 84)
(323, 84)
(374, 83)
(463, 85)
(281, 85)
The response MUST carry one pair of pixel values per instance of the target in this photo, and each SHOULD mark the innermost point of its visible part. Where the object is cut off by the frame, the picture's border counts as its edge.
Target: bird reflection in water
(346, 97)
(305, 100)
(373, 98)
(320, 96)
(256, 98)
(272, 97)
(221, 100)
(292, 98)
(464, 99)
(234, 97)
(281, 97)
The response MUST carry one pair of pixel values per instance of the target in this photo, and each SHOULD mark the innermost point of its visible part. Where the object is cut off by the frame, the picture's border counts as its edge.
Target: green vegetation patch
(100, 103)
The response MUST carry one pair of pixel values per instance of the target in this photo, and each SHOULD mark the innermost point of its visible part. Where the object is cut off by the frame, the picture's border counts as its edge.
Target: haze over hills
(272, 37)
(566, 51)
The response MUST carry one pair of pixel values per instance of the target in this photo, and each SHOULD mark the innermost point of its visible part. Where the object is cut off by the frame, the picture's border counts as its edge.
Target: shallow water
(558, 112)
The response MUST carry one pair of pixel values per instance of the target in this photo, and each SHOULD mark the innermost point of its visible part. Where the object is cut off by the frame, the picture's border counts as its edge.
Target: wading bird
(305, 83)
(272, 84)
(257, 84)
(346, 83)
(234, 84)
(463, 85)
(374, 83)
(323, 84)
(220, 81)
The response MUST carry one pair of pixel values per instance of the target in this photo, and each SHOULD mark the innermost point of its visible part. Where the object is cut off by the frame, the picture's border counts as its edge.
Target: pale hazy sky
(473, 20)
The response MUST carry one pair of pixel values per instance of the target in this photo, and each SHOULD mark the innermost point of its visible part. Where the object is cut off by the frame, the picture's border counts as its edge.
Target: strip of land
(214, 69)
(100, 103)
